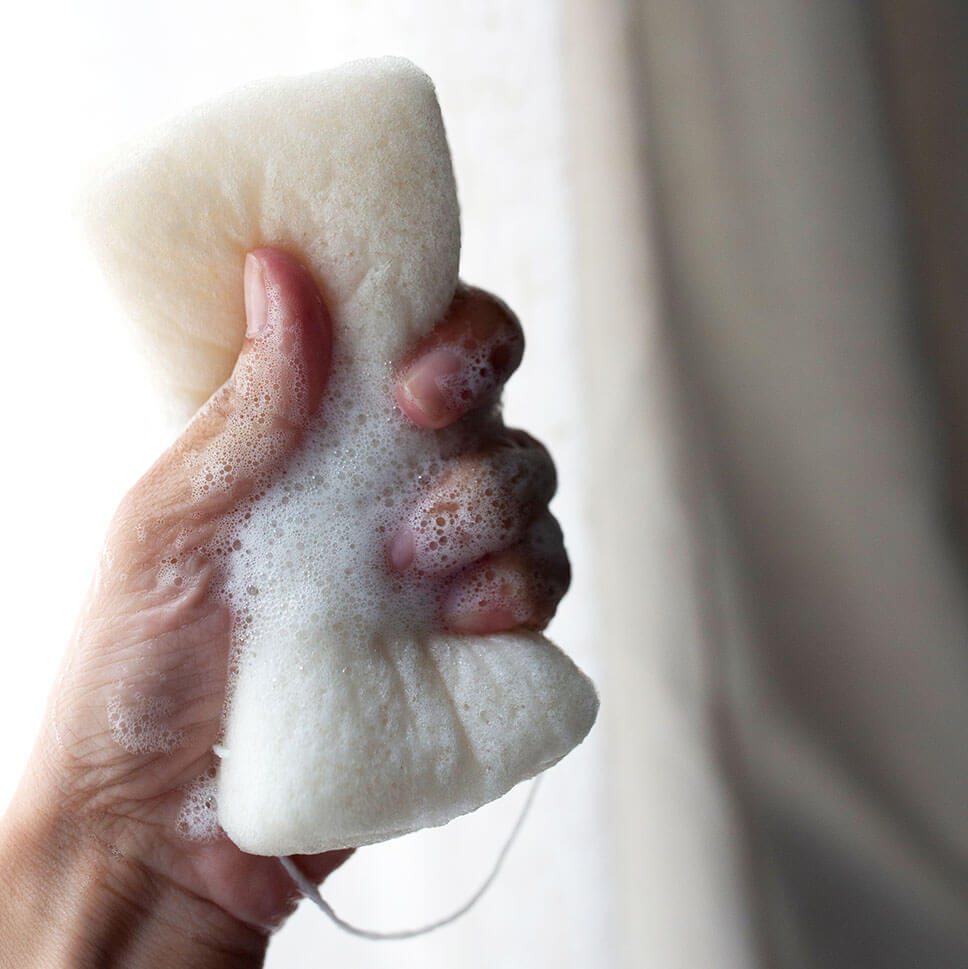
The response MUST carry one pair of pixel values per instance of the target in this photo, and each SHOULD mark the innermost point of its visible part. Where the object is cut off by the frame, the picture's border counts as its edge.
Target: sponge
(350, 717)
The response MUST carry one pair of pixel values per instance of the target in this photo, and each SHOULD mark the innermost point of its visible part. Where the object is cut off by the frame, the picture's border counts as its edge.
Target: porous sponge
(352, 718)
(348, 168)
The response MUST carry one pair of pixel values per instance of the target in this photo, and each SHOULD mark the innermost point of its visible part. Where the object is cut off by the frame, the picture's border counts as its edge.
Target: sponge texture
(347, 168)
(351, 718)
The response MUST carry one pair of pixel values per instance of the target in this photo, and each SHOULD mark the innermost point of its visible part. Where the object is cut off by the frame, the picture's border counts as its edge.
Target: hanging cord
(312, 893)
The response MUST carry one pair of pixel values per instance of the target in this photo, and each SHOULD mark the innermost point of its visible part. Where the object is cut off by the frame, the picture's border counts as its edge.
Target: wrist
(68, 899)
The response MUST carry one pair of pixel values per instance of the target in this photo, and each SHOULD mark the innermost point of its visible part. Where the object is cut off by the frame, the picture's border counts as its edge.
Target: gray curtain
(802, 208)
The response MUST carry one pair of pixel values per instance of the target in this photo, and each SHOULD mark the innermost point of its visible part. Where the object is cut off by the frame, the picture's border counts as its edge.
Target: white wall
(79, 427)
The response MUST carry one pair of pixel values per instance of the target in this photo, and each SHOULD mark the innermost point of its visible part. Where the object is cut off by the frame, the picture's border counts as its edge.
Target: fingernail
(486, 602)
(256, 298)
(403, 549)
(426, 387)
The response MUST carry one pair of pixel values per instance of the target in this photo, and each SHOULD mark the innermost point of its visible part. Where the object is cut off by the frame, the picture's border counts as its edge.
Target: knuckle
(489, 315)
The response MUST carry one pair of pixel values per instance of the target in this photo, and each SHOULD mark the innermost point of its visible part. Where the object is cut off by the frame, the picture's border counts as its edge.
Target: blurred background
(735, 234)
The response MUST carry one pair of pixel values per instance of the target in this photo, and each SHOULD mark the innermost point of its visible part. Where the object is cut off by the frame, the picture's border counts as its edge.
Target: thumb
(254, 420)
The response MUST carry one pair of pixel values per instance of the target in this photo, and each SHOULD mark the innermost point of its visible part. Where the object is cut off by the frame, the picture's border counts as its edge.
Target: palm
(137, 722)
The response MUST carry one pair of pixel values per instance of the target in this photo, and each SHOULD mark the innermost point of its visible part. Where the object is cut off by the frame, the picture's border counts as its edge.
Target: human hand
(140, 698)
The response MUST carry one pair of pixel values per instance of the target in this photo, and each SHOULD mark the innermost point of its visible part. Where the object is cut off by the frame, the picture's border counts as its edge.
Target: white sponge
(351, 718)
(347, 168)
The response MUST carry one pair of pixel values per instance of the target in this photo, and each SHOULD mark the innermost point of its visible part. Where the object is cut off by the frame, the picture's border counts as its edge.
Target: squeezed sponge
(351, 718)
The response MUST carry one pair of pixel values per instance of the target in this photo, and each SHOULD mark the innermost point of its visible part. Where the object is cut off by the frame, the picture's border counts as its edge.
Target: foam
(198, 816)
(351, 718)
(477, 377)
(468, 513)
(140, 724)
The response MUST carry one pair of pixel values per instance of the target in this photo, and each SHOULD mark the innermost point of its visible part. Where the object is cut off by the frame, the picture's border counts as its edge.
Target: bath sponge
(347, 168)
(351, 718)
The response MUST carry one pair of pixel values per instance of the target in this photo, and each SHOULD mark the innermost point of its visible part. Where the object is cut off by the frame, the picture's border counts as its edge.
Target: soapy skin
(138, 705)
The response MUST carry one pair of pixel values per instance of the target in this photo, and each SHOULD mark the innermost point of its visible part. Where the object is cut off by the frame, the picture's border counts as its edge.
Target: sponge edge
(350, 718)
(461, 721)
(346, 168)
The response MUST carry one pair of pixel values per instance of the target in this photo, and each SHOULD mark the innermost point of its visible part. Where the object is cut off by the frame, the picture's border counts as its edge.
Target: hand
(101, 799)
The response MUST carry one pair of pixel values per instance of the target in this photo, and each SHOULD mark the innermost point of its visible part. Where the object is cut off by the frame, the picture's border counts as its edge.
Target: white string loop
(310, 891)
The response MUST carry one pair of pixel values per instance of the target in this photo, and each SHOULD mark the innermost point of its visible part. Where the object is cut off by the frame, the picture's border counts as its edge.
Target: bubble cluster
(478, 377)
(482, 507)
(495, 590)
(314, 534)
(198, 816)
(514, 588)
(140, 724)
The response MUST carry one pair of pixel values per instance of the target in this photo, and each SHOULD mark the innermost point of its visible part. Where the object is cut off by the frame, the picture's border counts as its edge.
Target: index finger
(463, 363)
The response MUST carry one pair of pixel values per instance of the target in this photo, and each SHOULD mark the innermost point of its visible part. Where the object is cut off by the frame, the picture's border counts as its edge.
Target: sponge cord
(310, 891)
